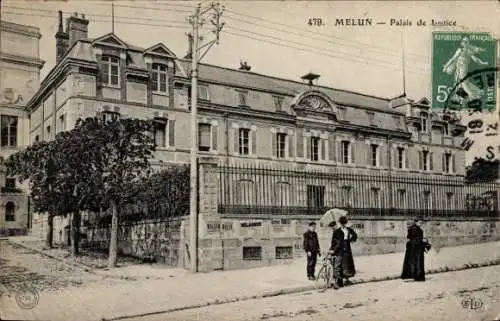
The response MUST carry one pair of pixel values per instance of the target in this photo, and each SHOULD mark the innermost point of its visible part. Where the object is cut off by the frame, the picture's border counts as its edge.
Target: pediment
(160, 49)
(110, 39)
(314, 101)
(424, 101)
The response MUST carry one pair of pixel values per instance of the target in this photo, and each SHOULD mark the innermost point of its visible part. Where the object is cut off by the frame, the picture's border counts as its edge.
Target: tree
(482, 170)
(127, 145)
(63, 175)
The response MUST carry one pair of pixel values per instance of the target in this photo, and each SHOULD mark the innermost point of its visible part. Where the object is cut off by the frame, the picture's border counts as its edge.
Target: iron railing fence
(260, 190)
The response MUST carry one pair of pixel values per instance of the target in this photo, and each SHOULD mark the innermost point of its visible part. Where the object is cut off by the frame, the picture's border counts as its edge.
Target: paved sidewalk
(179, 290)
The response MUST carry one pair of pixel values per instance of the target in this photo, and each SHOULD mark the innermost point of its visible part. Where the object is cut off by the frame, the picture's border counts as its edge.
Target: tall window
(110, 70)
(62, 123)
(10, 212)
(423, 120)
(425, 160)
(9, 131)
(345, 150)
(374, 155)
(244, 139)
(401, 157)
(427, 200)
(447, 159)
(346, 196)
(449, 201)
(402, 198)
(242, 98)
(160, 133)
(159, 78)
(204, 137)
(446, 129)
(314, 148)
(375, 197)
(315, 196)
(281, 145)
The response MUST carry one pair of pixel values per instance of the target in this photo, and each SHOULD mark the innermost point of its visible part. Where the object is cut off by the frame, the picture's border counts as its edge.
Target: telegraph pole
(197, 21)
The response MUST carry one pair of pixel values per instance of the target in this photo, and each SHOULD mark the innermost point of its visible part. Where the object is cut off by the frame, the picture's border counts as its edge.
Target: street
(439, 298)
(76, 293)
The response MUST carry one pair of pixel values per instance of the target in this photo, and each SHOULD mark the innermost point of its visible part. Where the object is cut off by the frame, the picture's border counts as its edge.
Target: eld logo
(472, 303)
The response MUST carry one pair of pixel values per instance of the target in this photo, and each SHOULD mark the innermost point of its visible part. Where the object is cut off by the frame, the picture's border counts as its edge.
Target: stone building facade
(247, 119)
(19, 80)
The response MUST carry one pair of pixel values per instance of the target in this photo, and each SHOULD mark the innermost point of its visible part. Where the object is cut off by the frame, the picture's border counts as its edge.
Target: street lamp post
(196, 21)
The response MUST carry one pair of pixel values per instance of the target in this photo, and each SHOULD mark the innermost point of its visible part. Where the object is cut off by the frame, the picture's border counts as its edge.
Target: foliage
(163, 194)
(483, 170)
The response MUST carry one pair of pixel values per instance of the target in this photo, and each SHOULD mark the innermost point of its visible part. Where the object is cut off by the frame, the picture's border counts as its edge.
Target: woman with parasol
(340, 247)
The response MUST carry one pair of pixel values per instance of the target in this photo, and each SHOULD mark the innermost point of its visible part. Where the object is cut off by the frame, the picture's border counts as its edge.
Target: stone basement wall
(161, 240)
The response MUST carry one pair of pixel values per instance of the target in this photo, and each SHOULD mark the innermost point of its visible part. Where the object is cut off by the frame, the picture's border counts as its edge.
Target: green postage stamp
(464, 66)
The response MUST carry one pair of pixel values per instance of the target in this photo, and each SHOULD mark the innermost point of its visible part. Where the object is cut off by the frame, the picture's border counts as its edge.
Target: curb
(300, 289)
(79, 265)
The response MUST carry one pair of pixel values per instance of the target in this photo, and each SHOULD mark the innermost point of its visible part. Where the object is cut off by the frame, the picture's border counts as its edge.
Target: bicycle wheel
(323, 278)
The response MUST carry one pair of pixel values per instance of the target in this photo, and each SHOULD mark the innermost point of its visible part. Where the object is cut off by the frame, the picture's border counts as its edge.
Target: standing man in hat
(311, 246)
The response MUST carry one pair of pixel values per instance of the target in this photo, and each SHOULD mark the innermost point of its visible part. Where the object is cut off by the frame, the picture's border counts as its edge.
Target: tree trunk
(75, 233)
(113, 240)
(50, 231)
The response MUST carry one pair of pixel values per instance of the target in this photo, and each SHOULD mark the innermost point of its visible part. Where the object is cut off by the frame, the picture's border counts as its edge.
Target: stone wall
(162, 240)
(226, 246)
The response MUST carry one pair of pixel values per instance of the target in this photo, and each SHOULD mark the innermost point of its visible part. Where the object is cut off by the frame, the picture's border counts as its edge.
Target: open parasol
(332, 215)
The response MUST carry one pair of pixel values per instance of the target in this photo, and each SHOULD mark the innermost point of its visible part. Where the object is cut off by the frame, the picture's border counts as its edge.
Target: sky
(274, 37)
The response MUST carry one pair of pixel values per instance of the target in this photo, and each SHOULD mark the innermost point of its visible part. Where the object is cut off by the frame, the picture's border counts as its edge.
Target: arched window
(10, 212)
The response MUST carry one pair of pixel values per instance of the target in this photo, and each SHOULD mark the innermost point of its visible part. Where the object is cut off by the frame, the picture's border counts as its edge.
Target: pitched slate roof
(246, 79)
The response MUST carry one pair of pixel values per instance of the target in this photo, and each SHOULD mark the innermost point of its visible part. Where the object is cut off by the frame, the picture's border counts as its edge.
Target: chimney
(62, 40)
(244, 66)
(76, 28)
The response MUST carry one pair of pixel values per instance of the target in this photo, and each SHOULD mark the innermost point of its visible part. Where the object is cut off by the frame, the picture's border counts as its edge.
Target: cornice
(23, 60)
(59, 71)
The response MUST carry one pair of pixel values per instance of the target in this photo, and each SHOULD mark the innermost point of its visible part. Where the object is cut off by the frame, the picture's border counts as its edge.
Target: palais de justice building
(250, 119)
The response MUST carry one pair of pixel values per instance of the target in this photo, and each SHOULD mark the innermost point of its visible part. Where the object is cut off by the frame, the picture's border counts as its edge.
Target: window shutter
(215, 129)
(339, 152)
(331, 148)
(308, 147)
(171, 132)
(453, 163)
(406, 157)
(254, 141)
(353, 152)
(323, 151)
(431, 161)
(420, 160)
(300, 143)
(290, 145)
(236, 143)
(274, 145)
(443, 162)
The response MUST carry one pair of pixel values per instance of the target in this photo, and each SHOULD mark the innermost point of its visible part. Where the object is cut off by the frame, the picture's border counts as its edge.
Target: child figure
(311, 246)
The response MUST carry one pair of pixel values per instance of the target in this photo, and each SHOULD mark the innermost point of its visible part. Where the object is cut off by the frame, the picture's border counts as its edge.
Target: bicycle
(324, 277)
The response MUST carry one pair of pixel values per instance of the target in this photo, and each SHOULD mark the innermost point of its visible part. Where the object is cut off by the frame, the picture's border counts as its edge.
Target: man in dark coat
(413, 265)
(311, 246)
(343, 267)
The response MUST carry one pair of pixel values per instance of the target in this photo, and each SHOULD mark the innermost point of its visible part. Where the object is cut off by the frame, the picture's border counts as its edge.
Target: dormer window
(159, 78)
(278, 103)
(110, 68)
(203, 93)
(242, 96)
